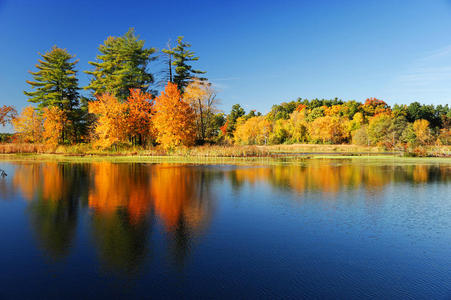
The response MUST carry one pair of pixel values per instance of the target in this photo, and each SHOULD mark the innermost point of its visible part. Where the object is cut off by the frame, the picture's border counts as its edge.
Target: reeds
(215, 150)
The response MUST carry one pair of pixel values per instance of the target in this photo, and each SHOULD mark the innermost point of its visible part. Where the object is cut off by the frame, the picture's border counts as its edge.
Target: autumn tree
(139, 116)
(174, 119)
(54, 121)
(111, 126)
(7, 114)
(374, 106)
(253, 131)
(28, 125)
(422, 131)
(202, 98)
(328, 129)
(56, 84)
(298, 127)
(379, 129)
(121, 65)
(181, 58)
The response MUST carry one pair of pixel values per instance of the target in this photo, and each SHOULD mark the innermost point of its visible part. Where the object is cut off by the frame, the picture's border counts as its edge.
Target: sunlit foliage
(139, 116)
(111, 125)
(254, 131)
(328, 130)
(174, 119)
(54, 121)
(201, 96)
(28, 125)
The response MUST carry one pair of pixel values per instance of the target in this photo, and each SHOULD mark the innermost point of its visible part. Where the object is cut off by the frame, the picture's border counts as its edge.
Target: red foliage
(224, 127)
(300, 107)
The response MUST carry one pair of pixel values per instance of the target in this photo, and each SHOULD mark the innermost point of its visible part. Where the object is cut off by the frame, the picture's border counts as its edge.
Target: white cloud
(428, 79)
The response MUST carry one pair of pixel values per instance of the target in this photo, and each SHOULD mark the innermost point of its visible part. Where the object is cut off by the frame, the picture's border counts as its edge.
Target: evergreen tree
(56, 84)
(180, 57)
(121, 65)
(236, 112)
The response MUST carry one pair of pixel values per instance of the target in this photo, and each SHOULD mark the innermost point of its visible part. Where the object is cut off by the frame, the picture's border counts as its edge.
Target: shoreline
(212, 160)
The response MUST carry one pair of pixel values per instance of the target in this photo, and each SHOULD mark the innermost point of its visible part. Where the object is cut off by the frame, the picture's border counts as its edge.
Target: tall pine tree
(121, 65)
(56, 84)
(180, 57)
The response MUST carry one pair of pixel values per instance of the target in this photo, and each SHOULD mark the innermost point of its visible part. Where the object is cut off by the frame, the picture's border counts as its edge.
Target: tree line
(124, 108)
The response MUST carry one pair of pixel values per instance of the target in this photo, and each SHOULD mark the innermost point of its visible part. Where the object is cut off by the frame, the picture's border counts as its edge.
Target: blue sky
(257, 53)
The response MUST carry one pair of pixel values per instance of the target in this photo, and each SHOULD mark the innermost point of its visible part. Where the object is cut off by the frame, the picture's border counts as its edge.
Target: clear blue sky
(256, 52)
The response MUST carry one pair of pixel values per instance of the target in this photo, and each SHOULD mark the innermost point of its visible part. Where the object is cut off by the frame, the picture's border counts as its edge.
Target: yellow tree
(298, 126)
(111, 124)
(54, 121)
(252, 131)
(422, 131)
(174, 119)
(28, 125)
(329, 129)
(201, 96)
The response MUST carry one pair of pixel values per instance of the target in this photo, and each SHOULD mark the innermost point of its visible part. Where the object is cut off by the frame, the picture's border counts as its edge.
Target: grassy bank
(214, 152)
(275, 160)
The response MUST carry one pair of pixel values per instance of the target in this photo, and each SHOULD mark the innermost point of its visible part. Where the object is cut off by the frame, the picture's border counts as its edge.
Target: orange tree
(174, 119)
(111, 124)
(139, 117)
(54, 121)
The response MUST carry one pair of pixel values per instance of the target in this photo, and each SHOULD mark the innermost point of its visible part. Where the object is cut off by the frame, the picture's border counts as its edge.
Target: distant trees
(328, 129)
(253, 131)
(236, 112)
(121, 65)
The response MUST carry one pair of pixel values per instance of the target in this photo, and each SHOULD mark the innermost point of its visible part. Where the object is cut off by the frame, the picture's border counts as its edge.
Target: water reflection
(331, 177)
(127, 203)
(55, 192)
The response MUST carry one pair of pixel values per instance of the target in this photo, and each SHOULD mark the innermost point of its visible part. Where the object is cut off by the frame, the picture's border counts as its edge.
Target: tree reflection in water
(126, 201)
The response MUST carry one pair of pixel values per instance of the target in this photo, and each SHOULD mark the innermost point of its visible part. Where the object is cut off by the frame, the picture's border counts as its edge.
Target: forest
(129, 104)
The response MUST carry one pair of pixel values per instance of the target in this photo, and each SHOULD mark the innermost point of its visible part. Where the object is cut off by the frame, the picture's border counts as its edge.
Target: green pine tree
(56, 84)
(121, 65)
(180, 57)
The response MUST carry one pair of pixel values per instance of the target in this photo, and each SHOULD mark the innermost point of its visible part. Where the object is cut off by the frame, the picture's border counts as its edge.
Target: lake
(323, 228)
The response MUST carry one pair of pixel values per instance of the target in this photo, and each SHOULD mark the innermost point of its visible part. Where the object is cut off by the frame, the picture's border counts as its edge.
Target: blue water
(320, 229)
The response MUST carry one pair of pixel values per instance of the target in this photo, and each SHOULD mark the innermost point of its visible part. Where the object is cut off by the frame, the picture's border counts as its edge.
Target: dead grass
(213, 150)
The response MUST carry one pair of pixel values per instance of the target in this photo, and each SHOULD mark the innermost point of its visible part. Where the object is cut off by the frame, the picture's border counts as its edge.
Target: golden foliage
(28, 125)
(54, 121)
(174, 119)
(253, 131)
(139, 115)
(201, 96)
(422, 131)
(329, 129)
(111, 124)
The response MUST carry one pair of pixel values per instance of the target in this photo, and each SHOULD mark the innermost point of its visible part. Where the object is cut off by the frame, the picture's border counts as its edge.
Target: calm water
(325, 229)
